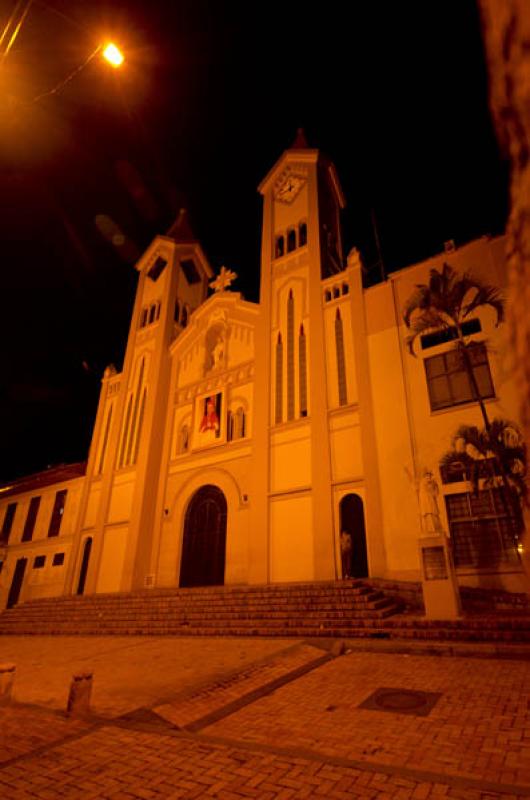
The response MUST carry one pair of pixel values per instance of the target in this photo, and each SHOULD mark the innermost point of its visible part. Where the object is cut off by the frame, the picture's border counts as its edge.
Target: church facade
(241, 438)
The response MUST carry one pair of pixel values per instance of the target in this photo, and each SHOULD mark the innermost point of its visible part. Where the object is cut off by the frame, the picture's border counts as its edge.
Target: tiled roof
(57, 474)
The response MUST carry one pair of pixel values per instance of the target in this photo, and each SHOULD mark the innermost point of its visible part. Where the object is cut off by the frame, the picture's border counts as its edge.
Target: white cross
(223, 280)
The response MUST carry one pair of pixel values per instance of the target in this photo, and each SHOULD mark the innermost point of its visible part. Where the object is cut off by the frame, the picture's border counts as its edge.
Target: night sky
(210, 96)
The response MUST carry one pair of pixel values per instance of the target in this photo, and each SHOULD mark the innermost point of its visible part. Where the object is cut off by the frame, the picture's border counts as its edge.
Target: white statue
(428, 498)
(218, 353)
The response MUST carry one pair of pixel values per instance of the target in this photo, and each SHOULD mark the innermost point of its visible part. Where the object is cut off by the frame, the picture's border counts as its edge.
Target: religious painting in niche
(209, 428)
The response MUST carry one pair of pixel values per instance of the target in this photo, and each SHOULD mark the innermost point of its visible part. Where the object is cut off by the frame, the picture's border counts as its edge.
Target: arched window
(279, 249)
(136, 409)
(327, 295)
(105, 442)
(229, 427)
(345, 288)
(279, 380)
(239, 424)
(302, 234)
(341, 363)
(176, 314)
(152, 312)
(143, 318)
(291, 240)
(183, 442)
(290, 356)
(336, 292)
(302, 368)
(139, 429)
(125, 432)
(157, 310)
(184, 316)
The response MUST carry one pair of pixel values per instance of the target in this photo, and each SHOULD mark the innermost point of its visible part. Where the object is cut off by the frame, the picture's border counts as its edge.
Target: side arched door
(352, 521)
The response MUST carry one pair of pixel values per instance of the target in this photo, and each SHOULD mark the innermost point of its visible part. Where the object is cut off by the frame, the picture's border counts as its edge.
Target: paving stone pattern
(227, 691)
(479, 728)
(306, 739)
(114, 764)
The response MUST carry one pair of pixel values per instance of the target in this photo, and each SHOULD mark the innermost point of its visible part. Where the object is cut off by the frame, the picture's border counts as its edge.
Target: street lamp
(113, 55)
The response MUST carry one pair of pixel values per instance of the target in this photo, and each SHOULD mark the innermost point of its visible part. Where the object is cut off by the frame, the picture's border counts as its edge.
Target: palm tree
(493, 453)
(447, 302)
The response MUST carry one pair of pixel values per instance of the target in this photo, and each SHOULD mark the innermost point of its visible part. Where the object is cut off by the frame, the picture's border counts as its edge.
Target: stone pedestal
(7, 679)
(440, 589)
(79, 695)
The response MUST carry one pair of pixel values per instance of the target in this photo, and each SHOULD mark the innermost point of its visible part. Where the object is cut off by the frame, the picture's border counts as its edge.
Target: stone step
(219, 592)
(324, 630)
(347, 609)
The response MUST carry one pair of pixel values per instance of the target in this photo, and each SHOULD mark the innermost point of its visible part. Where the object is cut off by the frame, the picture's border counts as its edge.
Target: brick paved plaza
(268, 719)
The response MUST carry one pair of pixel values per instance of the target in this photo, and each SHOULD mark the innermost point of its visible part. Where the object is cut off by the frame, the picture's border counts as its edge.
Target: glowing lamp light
(520, 547)
(113, 55)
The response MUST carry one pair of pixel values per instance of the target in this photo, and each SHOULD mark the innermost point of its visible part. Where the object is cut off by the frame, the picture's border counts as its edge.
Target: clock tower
(292, 473)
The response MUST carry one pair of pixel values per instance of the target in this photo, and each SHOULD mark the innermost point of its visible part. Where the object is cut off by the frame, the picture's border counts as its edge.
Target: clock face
(289, 188)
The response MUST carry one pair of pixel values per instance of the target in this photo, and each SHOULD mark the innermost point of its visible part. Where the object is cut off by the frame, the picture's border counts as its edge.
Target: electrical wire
(68, 78)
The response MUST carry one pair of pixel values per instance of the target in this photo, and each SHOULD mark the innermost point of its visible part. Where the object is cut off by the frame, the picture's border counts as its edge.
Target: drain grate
(401, 701)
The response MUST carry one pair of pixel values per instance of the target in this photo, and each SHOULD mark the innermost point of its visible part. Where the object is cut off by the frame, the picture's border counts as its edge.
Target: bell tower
(124, 463)
(301, 245)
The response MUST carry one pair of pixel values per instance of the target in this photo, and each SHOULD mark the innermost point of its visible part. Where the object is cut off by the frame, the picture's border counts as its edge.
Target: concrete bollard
(7, 679)
(79, 695)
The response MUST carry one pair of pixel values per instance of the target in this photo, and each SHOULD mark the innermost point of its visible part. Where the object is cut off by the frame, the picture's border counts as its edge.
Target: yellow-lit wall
(48, 580)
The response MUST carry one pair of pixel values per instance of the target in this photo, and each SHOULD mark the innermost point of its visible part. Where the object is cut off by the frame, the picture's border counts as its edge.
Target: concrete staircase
(298, 610)
(345, 609)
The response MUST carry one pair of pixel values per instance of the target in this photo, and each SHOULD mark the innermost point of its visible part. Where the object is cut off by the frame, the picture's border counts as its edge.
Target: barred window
(483, 531)
(447, 379)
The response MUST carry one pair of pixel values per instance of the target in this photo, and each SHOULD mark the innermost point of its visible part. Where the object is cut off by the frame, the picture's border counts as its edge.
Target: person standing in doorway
(346, 553)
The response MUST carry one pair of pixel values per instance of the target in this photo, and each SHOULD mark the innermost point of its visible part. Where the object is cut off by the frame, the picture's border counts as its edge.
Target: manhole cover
(401, 701)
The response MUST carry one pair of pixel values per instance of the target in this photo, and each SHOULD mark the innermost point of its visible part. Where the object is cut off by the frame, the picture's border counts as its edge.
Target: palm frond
(418, 301)
(486, 295)
(470, 435)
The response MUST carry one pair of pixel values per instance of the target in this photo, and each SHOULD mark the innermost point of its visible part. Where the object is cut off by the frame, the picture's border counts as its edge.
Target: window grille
(483, 532)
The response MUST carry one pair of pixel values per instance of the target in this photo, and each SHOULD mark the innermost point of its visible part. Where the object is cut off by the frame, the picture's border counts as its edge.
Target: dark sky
(211, 94)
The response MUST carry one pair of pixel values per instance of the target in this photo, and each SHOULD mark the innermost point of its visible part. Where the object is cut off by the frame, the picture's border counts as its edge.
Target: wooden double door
(204, 540)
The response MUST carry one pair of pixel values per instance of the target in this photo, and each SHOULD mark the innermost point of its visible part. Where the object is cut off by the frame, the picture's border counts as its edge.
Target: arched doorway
(352, 521)
(204, 540)
(84, 565)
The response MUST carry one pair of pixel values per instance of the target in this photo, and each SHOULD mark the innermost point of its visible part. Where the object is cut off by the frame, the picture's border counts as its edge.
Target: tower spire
(300, 140)
(181, 230)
